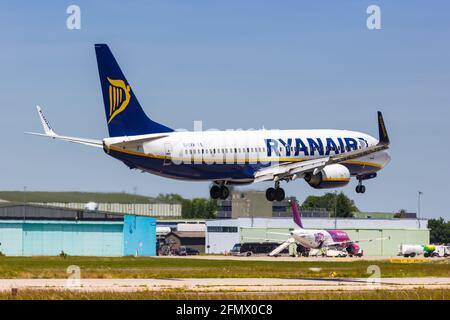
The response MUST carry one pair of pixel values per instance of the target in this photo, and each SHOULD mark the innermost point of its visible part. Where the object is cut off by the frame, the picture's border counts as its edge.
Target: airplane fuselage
(234, 156)
(315, 239)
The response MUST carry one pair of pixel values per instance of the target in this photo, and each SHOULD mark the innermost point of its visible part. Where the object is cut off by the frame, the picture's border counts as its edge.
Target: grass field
(419, 294)
(130, 267)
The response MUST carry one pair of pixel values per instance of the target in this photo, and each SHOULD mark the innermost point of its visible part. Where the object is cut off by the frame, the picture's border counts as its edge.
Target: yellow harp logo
(119, 97)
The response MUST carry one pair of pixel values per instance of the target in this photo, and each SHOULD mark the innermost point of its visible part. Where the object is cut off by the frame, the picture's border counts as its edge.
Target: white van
(442, 251)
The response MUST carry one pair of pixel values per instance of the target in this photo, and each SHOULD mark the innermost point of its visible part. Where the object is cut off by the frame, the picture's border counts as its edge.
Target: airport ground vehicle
(186, 251)
(324, 252)
(429, 251)
(410, 250)
(192, 252)
(442, 251)
(250, 248)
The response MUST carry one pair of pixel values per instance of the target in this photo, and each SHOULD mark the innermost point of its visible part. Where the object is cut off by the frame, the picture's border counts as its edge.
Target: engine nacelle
(331, 176)
(353, 249)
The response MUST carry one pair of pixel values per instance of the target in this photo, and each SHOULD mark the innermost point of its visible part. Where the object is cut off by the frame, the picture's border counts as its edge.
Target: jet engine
(331, 176)
(353, 249)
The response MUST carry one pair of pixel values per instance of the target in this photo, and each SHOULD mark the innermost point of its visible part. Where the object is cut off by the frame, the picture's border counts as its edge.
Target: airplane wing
(282, 246)
(132, 141)
(262, 239)
(49, 133)
(293, 170)
(355, 241)
(280, 234)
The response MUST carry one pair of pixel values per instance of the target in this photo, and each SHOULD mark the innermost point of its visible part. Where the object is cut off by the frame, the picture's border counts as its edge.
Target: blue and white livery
(323, 158)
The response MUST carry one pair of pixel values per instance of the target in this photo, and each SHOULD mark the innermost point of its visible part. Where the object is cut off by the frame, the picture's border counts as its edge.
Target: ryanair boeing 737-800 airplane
(323, 158)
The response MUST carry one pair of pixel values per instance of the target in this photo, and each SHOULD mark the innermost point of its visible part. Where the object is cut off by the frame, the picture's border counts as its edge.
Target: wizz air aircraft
(318, 239)
(323, 158)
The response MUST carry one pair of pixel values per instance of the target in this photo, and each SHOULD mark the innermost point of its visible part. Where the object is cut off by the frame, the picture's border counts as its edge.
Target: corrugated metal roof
(14, 211)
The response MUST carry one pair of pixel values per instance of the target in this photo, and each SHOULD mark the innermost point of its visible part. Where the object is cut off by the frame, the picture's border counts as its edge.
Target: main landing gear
(275, 194)
(219, 191)
(360, 188)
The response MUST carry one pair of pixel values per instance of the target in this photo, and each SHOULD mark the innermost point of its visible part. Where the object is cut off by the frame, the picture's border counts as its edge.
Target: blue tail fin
(124, 114)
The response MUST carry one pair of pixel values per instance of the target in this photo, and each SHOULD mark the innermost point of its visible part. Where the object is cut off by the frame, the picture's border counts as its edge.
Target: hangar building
(221, 235)
(31, 230)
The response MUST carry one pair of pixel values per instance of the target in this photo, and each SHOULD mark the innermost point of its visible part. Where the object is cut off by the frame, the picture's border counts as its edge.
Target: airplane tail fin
(296, 213)
(382, 132)
(124, 114)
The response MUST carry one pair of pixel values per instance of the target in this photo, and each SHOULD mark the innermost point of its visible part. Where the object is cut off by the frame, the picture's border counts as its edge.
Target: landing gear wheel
(360, 188)
(215, 192)
(279, 194)
(224, 192)
(270, 194)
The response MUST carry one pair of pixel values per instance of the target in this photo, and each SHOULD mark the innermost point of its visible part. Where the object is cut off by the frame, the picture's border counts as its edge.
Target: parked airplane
(318, 239)
(323, 158)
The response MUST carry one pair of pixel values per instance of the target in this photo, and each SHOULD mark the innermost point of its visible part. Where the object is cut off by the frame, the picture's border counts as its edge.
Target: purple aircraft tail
(296, 213)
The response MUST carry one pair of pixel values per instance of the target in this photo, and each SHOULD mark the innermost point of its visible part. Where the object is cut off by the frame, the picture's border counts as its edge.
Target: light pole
(335, 209)
(24, 199)
(134, 200)
(419, 194)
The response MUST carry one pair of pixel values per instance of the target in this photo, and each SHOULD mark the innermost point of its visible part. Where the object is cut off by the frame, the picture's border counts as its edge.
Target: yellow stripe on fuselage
(232, 161)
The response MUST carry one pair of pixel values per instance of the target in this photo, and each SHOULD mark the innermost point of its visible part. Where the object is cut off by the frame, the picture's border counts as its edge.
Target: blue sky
(231, 64)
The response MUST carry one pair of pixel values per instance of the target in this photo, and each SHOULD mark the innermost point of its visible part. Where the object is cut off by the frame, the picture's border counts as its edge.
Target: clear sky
(231, 64)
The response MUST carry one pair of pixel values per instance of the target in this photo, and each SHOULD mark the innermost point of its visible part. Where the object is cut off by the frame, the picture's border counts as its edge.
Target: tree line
(202, 208)
(439, 231)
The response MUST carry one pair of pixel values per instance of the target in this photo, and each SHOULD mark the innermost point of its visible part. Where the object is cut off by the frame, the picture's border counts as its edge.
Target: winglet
(47, 127)
(382, 132)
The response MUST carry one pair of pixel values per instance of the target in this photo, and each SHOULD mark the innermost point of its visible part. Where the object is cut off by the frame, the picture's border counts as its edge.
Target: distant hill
(77, 197)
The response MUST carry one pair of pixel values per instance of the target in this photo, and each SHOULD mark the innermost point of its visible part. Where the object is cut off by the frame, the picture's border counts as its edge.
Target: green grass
(78, 197)
(130, 267)
(418, 294)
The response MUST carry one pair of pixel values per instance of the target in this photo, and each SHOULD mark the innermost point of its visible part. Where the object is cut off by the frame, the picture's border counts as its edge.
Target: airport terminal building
(221, 235)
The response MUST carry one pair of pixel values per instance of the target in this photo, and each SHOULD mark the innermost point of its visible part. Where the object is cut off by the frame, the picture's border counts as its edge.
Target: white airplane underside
(323, 158)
